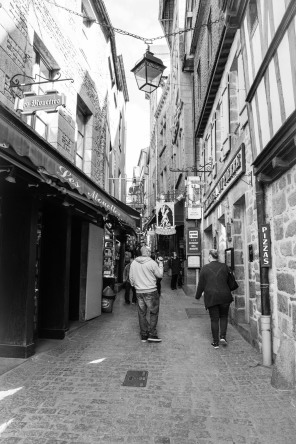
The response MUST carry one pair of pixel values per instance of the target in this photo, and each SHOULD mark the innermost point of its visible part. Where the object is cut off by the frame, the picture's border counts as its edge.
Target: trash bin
(108, 298)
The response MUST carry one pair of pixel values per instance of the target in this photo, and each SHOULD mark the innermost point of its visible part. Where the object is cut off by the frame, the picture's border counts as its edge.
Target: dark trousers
(148, 302)
(158, 285)
(174, 281)
(127, 292)
(219, 320)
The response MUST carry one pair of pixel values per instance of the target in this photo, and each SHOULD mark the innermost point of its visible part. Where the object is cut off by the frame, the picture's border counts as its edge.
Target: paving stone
(194, 395)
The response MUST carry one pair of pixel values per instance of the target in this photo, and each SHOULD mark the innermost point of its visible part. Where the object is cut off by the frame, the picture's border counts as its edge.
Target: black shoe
(127, 302)
(154, 339)
(144, 338)
(215, 344)
(223, 341)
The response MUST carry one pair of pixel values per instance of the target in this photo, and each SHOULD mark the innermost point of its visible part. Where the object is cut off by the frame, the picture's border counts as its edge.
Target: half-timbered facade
(269, 42)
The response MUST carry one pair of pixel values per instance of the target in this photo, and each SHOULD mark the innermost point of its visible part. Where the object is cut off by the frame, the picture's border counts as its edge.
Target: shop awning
(17, 138)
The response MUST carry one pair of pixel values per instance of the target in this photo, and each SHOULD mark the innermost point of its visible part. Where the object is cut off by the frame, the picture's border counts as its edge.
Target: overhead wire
(146, 40)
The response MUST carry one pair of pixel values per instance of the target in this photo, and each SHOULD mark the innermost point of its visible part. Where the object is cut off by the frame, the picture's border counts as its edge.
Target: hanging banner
(165, 218)
(193, 197)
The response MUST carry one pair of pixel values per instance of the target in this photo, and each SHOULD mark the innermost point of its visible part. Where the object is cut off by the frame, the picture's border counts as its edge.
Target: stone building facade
(55, 164)
(172, 146)
(245, 127)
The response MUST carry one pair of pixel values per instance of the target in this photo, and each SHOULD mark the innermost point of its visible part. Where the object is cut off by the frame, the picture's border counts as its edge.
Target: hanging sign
(165, 218)
(235, 168)
(45, 102)
(265, 246)
(193, 241)
(193, 197)
(193, 261)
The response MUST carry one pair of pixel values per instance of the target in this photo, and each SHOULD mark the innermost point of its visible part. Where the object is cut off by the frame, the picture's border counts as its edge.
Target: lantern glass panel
(153, 73)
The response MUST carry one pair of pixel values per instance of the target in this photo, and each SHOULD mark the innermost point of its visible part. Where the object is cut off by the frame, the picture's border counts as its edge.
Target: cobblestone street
(74, 393)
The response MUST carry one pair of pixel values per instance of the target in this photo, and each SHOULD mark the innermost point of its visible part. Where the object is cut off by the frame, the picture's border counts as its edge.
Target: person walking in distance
(175, 266)
(143, 274)
(217, 296)
(128, 286)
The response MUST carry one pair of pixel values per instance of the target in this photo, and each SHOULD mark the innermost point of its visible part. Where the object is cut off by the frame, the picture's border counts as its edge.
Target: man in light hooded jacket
(143, 274)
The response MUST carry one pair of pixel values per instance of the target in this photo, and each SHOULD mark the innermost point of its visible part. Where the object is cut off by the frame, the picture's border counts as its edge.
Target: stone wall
(281, 208)
(58, 32)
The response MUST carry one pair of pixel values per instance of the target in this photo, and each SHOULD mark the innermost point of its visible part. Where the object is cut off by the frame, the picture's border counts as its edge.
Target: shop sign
(193, 197)
(265, 246)
(67, 176)
(230, 175)
(46, 102)
(165, 218)
(193, 241)
(193, 262)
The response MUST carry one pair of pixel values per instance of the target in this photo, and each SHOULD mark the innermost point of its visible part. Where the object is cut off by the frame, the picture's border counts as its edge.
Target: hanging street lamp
(148, 72)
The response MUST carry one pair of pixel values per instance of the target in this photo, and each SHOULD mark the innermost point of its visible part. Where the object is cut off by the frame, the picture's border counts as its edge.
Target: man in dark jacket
(175, 266)
(217, 296)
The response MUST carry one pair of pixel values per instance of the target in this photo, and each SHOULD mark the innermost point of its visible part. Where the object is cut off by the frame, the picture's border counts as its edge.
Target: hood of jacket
(143, 259)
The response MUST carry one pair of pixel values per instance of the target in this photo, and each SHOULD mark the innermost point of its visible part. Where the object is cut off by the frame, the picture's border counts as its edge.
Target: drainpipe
(264, 284)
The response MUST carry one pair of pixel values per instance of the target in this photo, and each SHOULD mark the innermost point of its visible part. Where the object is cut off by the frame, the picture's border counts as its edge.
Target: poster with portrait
(193, 197)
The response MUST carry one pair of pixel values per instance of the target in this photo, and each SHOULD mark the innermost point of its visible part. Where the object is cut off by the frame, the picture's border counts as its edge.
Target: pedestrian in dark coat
(217, 296)
(175, 266)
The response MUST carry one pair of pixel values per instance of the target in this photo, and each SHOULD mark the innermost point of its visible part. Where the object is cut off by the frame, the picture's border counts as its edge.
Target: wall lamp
(66, 203)
(11, 174)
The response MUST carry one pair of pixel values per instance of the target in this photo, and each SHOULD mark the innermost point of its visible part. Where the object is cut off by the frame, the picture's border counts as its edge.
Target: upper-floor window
(198, 84)
(111, 71)
(41, 72)
(80, 137)
(119, 184)
(87, 29)
(209, 29)
(119, 133)
(82, 121)
(252, 15)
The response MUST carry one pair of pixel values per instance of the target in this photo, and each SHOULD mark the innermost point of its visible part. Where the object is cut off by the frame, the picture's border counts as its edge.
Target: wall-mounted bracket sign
(15, 81)
(193, 242)
(31, 103)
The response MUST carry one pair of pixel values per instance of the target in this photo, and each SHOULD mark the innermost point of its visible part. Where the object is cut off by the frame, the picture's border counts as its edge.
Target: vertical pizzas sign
(265, 246)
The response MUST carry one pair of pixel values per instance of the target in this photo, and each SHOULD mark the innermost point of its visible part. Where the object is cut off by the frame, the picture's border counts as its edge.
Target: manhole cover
(195, 312)
(135, 378)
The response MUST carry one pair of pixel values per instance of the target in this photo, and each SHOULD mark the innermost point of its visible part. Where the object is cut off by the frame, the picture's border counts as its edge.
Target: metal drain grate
(195, 312)
(135, 378)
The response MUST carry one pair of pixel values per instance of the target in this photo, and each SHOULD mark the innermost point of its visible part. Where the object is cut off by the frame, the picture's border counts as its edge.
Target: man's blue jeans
(219, 315)
(148, 301)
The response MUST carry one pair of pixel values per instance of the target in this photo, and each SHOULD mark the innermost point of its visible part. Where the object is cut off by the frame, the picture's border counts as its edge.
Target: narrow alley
(74, 393)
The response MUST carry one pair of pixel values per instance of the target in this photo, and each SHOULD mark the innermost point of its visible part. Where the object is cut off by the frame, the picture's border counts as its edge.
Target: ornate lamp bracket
(207, 168)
